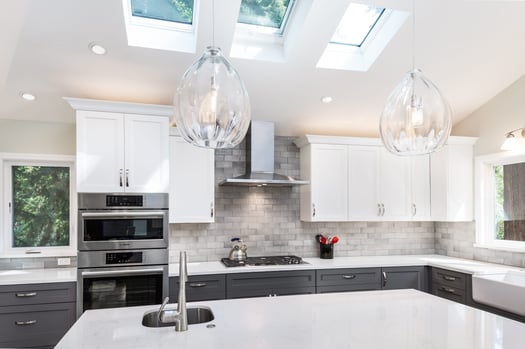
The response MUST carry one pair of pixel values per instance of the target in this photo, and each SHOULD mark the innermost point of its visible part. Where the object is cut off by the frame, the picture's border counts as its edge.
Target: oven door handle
(123, 214)
(90, 274)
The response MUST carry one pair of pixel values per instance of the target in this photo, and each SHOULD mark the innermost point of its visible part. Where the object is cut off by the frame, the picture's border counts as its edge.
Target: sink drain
(210, 326)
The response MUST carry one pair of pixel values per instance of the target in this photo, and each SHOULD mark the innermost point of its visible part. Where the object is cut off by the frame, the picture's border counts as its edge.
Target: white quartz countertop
(37, 276)
(457, 264)
(399, 319)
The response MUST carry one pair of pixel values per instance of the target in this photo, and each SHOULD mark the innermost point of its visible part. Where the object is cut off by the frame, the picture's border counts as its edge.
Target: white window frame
(7, 160)
(484, 198)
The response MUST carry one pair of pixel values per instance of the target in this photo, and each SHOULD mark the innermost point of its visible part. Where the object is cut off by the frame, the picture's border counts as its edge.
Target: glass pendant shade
(212, 107)
(416, 119)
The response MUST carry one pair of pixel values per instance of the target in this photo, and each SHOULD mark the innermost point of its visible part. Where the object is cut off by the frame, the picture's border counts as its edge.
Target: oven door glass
(107, 227)
(115, 291)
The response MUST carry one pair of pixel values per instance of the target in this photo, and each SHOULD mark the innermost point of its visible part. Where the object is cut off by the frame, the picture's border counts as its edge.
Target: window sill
(54, 254)
(500, 248)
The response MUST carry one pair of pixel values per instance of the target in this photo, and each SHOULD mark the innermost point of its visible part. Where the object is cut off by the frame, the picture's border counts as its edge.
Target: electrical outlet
(64, 261)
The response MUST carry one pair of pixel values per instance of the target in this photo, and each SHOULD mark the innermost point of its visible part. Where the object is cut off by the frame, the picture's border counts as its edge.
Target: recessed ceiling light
(27, 96)
(326, 99)
(97, 48)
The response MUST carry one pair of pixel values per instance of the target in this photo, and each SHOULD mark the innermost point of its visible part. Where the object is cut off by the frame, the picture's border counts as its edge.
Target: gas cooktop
(264, 260)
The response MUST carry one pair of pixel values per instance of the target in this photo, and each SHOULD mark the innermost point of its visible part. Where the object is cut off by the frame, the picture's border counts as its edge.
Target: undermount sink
(196, 315)
(503, 290)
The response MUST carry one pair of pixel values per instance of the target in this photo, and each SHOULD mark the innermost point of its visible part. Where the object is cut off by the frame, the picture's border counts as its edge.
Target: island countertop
(397, 319)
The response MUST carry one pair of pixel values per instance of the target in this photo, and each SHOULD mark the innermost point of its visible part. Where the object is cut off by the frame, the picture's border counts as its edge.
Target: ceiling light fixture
(97, 48)
(27, 96)
(416, 119)
(212, 107)
(326, 99)
(511, 142)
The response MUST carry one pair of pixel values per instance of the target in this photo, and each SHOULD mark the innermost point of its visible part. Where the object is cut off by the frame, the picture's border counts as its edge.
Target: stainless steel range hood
(260, 160)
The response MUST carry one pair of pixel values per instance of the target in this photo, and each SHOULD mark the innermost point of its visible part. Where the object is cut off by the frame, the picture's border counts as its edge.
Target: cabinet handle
(379, 209)
(348, 277)
(127, 177)
(384, 278)
(313, 210)
(449, 278)
(448, 290)
(28, 294)
(120, 177)
(198, 284)
(211, 210)
(414, 209)
(25, 323)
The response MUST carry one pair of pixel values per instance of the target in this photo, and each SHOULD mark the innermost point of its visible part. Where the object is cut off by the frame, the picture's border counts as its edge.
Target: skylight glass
(268, 16)
(357, 23)
(178, 11)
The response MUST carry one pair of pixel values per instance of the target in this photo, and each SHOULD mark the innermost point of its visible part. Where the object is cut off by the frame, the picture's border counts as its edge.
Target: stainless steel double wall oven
(122, 250)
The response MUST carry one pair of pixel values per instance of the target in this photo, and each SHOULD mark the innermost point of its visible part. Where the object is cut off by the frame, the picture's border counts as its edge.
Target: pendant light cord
(213, 23)
(413, 35)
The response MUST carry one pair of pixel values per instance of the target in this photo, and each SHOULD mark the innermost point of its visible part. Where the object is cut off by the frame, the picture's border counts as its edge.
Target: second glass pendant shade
(212, 107)
(416, 119)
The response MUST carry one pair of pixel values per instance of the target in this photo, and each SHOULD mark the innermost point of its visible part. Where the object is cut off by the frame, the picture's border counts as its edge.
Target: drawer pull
(448, 290)
(449, 278)
(198, 284)
(25, 323)
(348, 277)
(28, 294)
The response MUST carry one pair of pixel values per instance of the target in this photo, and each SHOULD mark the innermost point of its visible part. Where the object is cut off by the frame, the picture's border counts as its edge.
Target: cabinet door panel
(362, 183)
(268, 283)
(394, 185)
(147, 153)
(100, 151)
(192, 182)
(394, 278)
(420, 182)
(329, 182)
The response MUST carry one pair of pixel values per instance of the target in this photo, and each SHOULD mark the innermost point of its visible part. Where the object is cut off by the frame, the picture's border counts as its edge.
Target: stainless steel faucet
(180, 317)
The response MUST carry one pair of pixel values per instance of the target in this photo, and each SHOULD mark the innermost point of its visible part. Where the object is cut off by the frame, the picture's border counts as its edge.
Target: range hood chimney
(260, 160)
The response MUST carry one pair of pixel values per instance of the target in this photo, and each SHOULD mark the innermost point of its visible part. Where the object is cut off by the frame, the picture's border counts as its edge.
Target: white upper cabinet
(420, 187)
(120, 152)
(393, 186)
(363, 183)
(452, 180)
(192, 183)
(325, 198)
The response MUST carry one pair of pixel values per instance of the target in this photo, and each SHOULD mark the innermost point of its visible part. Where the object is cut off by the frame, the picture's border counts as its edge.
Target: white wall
(503, 113)
(37, 137)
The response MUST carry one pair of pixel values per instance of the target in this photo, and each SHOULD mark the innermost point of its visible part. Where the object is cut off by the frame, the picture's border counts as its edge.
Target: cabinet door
(362, 183)
(146, 154)
(394, 278)
(200, 287)
(394, 186)
(329, 182)
(100, 152)
(241, 285)
(420, 187)
(192, 182)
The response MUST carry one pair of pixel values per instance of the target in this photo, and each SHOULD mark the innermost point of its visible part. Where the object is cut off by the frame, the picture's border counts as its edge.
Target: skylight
(178, 11)
(357, 24)
(268, 17)
(161, 24)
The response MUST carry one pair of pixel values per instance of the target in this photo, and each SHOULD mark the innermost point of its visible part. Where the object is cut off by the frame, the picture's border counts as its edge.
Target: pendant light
(212, 107)
(416, 119)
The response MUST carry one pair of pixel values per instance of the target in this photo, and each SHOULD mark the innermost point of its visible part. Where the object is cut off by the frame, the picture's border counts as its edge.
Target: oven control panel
(123, 257)
(124, 201)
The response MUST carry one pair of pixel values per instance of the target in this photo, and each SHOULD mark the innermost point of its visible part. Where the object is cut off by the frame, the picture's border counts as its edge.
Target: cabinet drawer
(348, 288)
(449, 278)
(35, 325)
(448, 292)
(200, 288)
(37, 293)
(349, 277)
(270, 283)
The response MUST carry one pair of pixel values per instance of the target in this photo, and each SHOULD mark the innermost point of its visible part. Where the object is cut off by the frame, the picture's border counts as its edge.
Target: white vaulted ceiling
(472, 50)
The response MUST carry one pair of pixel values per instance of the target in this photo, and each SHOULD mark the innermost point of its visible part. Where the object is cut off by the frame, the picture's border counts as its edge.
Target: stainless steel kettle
(238, 251)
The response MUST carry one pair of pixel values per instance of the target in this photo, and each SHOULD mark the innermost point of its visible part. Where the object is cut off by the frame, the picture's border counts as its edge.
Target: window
(357, 23)
(265, 16)
(180, 11)
(39, 206)
(500, 199)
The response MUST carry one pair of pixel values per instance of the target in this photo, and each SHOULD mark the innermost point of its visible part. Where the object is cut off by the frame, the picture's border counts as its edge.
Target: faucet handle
(163, 305)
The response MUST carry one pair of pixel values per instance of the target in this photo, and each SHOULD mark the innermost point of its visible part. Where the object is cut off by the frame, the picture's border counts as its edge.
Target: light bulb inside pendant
(208, 108)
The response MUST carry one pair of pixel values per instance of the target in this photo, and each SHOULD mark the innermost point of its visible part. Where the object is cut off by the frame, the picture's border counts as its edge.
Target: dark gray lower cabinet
(263, 284)
(393, 278)
(348, 279)
(36, 315)
(449, 284)
(200, 288)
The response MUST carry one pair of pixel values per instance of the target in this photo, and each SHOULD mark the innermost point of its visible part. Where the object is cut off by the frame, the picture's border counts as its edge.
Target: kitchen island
(398, 319)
